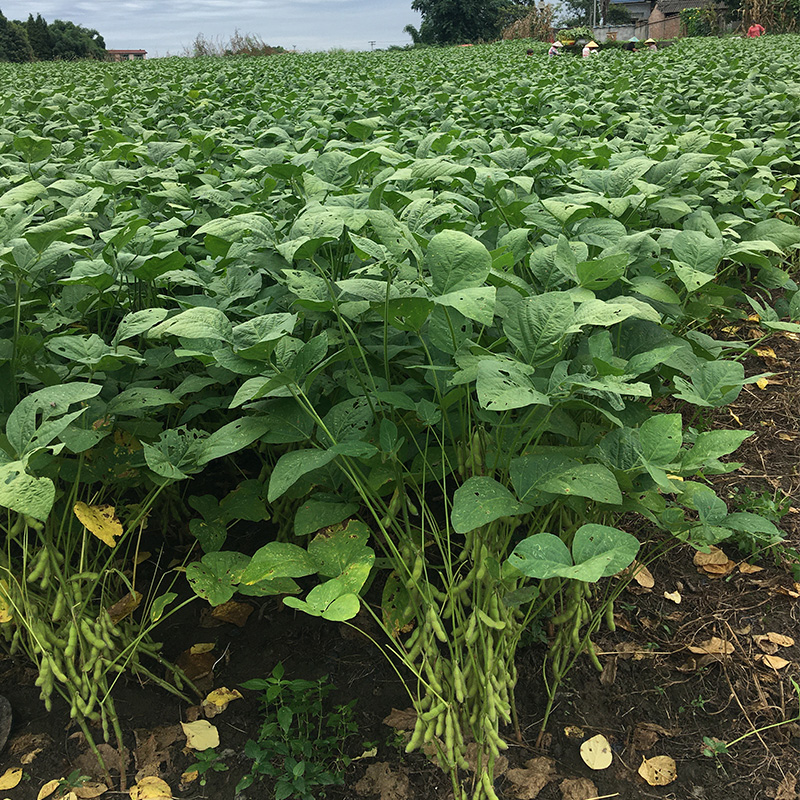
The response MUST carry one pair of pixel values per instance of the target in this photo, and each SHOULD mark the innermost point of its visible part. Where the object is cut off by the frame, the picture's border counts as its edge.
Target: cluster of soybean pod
(69, 635)
(462, 649)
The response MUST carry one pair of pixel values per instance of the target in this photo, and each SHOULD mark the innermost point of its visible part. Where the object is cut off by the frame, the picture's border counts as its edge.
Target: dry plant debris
(99, 520)
(596, 752)
(381, 779)
(659, 770)
(218, 700)
(200, 735)
(528, 782)
(151, 788)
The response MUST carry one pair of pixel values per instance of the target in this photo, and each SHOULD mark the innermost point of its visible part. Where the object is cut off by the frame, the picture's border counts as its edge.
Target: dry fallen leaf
(596, 752)
(233, 612)
(200, 735)
(218, 700)
(574, 732)
(404, 720)
(151, 788)
(100, 520)
(749, 569)
(5, 605)
(380, 779)
(201, 647)
(642, 575)
(762, 383)
(196, 665)
(125, 607)
(675, 597)
(780, 639)
(787, 789)
(577, 789)
(787, 437)
(529, 782)
(90, 789)
(776, 662)
(766, 352)
(10, 778)
(659, 770)
(713, 646)
(48, 789)
(713, 556)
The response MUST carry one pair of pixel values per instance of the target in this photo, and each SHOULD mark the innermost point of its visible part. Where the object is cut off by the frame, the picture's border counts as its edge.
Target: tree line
(36, 40)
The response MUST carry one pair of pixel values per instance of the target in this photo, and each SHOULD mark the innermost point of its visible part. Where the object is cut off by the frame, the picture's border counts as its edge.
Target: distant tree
(458, 21)
(39, 37)
(71, 41)
(14, 44)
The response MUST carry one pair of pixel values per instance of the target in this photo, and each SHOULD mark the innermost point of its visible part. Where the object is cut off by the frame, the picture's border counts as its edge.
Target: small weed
(713, 748)
(300, 744)
(207, 760)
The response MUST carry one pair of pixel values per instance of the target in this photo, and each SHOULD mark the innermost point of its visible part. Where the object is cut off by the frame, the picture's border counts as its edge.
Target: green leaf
(329, 600)
(159, 605)
(200, 322)
(713, 384)
(481, 500)
(320, 511)
(233, 437)
(25, 494)
(456, 261)
(342, 553)
(710, 446)
(541, 556)
(660, 438)
(22, 193)
(537, 325)
(138, 322)
(215, 576)
(477, 303)
(602, 272)
(503, 385)
(593, 481)
(135, 400)
(696, 250)
(602, 550)
(783, 234)
(278, 560)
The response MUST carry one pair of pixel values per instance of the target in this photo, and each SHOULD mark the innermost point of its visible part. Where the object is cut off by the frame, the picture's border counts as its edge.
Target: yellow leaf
(99, 520)
(151, 789)
(749, 569)
(10, 778)
(713, 556)
(48, 789)
(201, 647)
(200, 735)
(674, 596)
(642, 575)
(659, 770)
(738, 421)
(762, 383)
(787, 437)
(766, 352)
(596, 752)
(5, 604)
(573, 732)
(218, 700)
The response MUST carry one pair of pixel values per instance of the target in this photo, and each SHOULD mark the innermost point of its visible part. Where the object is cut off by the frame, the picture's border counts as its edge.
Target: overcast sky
(170, 25)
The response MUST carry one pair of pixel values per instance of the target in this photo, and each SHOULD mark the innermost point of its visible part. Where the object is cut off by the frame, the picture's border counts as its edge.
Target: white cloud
(170, 25)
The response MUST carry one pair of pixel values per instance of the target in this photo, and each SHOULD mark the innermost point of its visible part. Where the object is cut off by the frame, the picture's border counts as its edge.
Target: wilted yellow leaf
(574, 732)
(713, 646)
(674, 596)
(200, 735)
(659, 770)
(100, 520)
(10, 778)
(5, 605)
(189, 777)
(218, 700)
(749, 569)
(201, 647)
(766, 352)
(762, 383)
(738, 421)
(48, 789)
(787, 437)
(596, 752)
(151, 789)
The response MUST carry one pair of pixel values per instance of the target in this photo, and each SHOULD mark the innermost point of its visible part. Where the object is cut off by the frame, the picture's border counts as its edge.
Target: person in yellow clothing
(651, 44)
(590, 49)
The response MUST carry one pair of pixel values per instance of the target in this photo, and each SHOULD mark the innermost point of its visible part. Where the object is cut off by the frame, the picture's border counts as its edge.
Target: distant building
(126, 55)
(665, 18)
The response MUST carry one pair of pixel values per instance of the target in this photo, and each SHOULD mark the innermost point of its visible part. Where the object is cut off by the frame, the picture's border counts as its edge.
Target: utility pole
(372, 44)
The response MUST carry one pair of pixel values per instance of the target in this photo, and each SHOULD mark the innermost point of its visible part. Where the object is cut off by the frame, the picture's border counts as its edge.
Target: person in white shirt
(555, 49)
(589, 50)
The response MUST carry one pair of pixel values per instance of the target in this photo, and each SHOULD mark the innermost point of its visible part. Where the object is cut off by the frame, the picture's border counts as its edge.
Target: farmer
(555, 49)
(651, 44)
(755, 30)
(590, 49)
